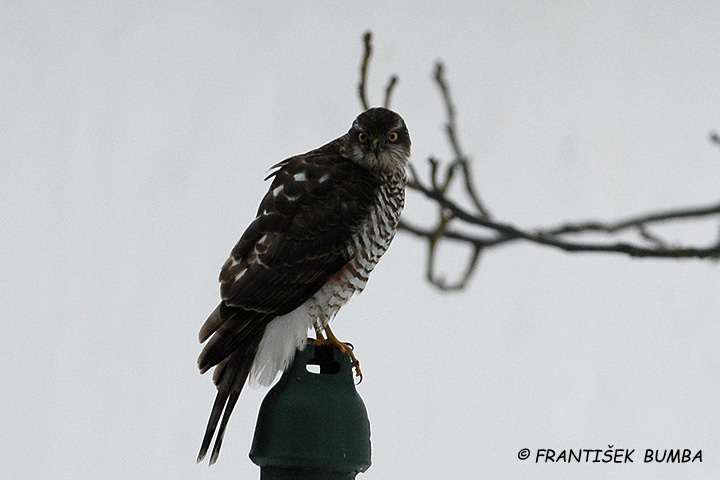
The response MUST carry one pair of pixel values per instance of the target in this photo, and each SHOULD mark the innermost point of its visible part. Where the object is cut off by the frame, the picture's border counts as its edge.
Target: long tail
(236, 341)
(234, 373)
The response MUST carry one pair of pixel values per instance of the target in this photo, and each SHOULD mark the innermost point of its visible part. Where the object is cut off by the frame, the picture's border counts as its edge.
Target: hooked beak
(377, 146)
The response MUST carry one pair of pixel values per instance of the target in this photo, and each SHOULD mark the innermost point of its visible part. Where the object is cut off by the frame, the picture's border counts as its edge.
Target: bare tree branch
(364, 65)
(389, 89)
(450, 129)
(492, 233)
(506, 232)
(362, 88)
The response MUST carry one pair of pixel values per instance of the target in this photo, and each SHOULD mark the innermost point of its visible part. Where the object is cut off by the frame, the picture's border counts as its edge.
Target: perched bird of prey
(326, 220)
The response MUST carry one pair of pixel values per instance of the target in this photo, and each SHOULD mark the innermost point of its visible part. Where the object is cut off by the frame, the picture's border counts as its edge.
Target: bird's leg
(319, 337)
(331, 339)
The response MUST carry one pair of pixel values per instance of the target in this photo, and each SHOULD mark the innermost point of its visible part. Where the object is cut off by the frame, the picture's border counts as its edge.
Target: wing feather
(301, 235)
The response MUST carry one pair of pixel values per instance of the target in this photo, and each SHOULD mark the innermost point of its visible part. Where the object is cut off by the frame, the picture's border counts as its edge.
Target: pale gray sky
(135, 138)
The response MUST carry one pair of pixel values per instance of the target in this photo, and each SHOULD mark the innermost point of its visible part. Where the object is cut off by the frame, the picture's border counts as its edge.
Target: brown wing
(301, 235)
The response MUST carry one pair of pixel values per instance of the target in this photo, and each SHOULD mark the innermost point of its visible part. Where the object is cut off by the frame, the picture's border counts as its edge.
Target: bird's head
(379, 140)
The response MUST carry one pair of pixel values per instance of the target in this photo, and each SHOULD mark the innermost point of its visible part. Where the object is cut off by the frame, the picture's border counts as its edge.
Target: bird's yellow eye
(362, 138)
(393, 137)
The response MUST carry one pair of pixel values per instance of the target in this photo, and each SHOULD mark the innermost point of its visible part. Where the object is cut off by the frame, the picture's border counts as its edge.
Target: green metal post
(313, 425)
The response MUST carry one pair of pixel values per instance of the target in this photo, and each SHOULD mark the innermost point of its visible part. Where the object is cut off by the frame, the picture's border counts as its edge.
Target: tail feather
(236, 336)
(218, 407)
(232, 400)
(230, 382)
(214, 321)
(229, 330)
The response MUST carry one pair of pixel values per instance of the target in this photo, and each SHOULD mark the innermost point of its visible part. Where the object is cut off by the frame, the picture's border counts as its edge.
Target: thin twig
(389, 89)
(634, 222)
(364, 66)
(451, 131)
(362, 88)
(449, 110)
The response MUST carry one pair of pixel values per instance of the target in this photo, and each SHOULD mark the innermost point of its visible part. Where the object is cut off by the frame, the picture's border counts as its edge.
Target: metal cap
(313, 425)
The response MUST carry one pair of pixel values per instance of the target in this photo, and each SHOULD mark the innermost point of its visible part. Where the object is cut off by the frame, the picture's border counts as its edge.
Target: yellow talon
(331, 339)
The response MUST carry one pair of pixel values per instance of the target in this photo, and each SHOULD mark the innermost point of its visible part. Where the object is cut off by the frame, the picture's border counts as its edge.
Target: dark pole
(313, 425)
